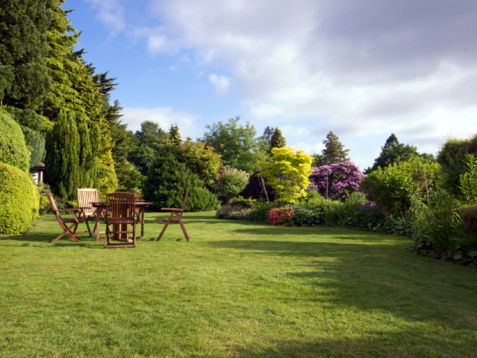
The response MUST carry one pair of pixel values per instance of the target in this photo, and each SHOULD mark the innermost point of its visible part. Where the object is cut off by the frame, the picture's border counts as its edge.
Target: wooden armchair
(178, 213)
(64, 222)
(85, 197)
(120, 220)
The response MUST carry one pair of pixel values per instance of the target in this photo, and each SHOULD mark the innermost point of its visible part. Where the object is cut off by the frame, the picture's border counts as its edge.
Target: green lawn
(237, 289)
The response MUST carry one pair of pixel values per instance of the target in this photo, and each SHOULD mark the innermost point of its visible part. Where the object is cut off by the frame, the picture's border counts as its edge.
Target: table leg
(98, 215)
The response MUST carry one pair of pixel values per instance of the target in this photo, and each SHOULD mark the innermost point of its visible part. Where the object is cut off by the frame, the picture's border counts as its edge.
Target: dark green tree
(236, 143)
(334, 151)
(174, 137)
(145, 143)
(63, 156)
(277, 140)
(393, 152)
(168, 179)
(267, 134)
(317, 160)
(25, 82)
(452, 158)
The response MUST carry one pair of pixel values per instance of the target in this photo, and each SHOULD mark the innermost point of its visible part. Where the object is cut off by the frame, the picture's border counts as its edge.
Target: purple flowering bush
(336, 181)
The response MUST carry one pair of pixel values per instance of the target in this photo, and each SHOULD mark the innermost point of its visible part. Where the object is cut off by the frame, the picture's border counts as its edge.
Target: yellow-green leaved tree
(288, 173)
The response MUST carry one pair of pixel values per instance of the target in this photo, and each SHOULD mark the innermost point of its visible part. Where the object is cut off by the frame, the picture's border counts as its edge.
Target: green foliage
(438, 227)
(236, 144)
(317, 160)
(31, 125)
(468, 180)
(201, 199)
(36, 142)
(13, 149)
(174, 137)
(19, 200)
(23, 47)
(393, 152)
(63, 156)
(267, 135)
(261, 210)
(144, 145)
(452, 159)
(334, 151)
(393, 188)
(26, 117)
(468, 215)
(277, 140)
(288, 173)
(202, 160)
(232, 211)
(244, 202)
(167, 181)
(232, 182)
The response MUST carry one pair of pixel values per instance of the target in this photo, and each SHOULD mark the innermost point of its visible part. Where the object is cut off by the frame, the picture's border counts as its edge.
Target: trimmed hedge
(13, 149)
(19, 200)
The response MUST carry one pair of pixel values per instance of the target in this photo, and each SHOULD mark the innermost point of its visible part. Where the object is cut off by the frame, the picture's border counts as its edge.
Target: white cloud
(111, 13)
(164, 116)
(363, 69)
(221, 84)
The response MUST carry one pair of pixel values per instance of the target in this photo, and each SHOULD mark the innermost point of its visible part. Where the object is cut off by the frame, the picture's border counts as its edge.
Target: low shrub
(280, 216)
(231, 211)
(201, 199)
(468, 215)
(244, 202)
(304, 216)
(261, 210)
(19, 200)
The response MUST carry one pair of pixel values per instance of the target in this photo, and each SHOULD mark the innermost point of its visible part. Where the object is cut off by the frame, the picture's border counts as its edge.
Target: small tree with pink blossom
(336, 181)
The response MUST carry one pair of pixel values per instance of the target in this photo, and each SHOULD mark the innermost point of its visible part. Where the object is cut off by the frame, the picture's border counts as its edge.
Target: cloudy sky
(363, 69)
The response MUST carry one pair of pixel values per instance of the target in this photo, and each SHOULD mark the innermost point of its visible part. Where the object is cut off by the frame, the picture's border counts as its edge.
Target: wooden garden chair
(178, 213)
(85, 197)
(120, 220)
(64, 222)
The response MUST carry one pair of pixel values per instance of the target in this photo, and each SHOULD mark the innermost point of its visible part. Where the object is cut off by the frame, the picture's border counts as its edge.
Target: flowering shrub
(280, 216)
(336, 181)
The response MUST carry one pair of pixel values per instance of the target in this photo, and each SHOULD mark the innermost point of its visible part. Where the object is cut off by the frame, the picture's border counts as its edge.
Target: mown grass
(237, 289)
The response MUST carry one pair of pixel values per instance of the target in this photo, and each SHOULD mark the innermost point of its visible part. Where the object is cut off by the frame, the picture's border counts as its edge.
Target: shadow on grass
(410, 343)
(379, 277)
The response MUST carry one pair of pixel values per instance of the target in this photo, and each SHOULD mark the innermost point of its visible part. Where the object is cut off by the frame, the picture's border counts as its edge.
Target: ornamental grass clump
(280, 216)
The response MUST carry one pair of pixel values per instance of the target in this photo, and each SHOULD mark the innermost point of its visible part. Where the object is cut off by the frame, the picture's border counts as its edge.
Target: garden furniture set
(121, 213)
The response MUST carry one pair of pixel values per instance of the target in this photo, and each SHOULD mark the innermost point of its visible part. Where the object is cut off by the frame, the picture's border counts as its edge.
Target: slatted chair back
(120, 214)
(120, 206)
(85, 197)
(185, 200)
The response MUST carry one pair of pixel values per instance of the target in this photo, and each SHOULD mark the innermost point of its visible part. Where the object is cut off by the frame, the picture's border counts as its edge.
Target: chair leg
(89, 229)
(67, 231)
(165, 227)
(179, 219)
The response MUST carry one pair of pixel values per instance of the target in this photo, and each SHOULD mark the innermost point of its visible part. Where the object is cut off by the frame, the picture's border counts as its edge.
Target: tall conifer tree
(23, 47)
(334, 151)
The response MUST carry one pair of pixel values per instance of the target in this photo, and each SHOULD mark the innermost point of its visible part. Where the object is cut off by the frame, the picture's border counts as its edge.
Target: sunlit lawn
(237, 289)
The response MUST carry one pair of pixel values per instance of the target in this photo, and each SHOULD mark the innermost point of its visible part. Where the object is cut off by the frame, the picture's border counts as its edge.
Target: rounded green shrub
(13, 149)
(19, 200)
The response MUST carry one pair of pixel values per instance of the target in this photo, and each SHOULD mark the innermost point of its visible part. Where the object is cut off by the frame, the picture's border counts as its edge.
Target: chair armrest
(171, 209)
(70, 210)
